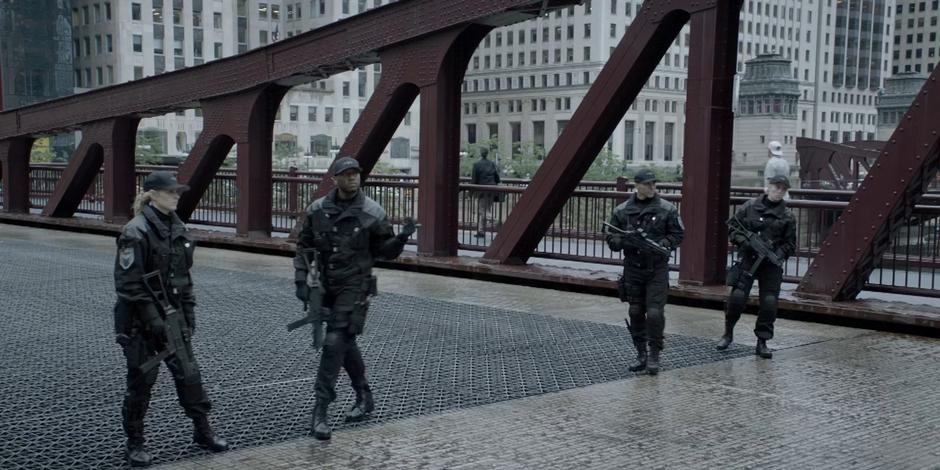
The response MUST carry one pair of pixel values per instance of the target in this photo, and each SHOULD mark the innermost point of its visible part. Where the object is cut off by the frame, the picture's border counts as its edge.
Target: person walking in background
(484, 172)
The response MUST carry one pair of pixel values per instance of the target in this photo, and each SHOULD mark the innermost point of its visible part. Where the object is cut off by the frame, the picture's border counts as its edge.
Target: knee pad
(738, 297)
(636, 309)
(768, 301)
(655, 314)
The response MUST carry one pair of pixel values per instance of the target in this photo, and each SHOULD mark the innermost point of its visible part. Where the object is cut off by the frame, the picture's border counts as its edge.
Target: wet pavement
(467, 374)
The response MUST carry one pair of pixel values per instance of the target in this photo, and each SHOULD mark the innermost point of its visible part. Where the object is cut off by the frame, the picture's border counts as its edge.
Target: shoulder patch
(126, 257)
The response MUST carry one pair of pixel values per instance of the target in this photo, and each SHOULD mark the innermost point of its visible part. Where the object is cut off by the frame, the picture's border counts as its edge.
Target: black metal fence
(909, 266)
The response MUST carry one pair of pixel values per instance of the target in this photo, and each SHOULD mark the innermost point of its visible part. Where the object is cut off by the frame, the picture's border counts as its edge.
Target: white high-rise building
(916, 28)
(527, 79)
(119, 41)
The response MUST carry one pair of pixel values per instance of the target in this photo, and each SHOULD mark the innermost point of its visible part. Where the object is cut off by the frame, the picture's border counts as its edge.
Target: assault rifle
(314, 312)
(757, 243)
(641, 241)
(174, 325)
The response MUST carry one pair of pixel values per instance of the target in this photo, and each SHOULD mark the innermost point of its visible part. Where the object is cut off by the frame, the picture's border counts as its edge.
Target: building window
(648, 141)
(138, 43)
(346, 115)
(669, 136)
(320, 145)
(138, 72)
(294, 112)
(400, 148)
(629, 127)
(217, 20)
(328, 114)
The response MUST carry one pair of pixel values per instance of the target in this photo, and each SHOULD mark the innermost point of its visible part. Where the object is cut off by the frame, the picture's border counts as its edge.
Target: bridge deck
(467, 374)
(904, 313)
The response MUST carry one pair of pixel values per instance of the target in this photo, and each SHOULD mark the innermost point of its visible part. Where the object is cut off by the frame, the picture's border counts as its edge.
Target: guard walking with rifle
(343, 234)
(647, 228)
(764, 232)
(154, 315)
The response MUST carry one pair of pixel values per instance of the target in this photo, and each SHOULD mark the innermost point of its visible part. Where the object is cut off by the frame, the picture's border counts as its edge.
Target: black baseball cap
(645, 176)
(345, 163)
(163, 180)
(779, 179)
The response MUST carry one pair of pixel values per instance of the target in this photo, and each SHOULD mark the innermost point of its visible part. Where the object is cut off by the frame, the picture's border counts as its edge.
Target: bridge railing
(909, 266)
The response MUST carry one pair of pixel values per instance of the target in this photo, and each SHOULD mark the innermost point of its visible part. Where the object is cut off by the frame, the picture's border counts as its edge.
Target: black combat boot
(652, 365)
(134, 449)
(639, 363)
(136, 452)
(762, 350)
(726, 338)
(205, 438)
(321, 422)
(363, 406)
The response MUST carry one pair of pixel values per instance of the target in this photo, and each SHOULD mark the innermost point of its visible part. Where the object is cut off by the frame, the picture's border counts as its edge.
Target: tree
(285, 151)
(42, 151)
(384, 168)
(149, 149)
(526, 159)
(606, 167)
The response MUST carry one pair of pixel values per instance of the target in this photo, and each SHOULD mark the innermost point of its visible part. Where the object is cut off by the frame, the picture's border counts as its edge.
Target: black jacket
(659, 219)
(348, 241)
(775, 224)
(147, 244)
(484, 172)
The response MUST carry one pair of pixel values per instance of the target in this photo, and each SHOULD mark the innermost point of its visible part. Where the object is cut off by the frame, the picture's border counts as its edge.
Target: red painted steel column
(120, 182)
(709, 127)
(248, 120)
(211, 148)
(253, 177)
(439, 167)
(882, 204)
(14, 161)
(98, 141)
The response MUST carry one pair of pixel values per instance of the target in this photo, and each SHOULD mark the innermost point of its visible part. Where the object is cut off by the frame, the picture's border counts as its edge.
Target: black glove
(122, 339)
(615, 242)
(745, 249)
(302, 292)
(157, 328)
(150, 317)
(408, 229)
